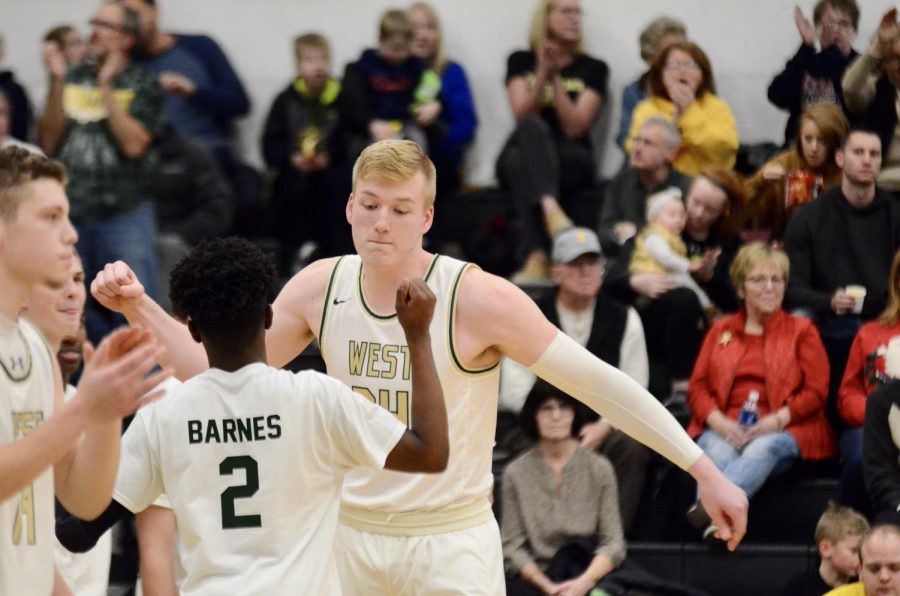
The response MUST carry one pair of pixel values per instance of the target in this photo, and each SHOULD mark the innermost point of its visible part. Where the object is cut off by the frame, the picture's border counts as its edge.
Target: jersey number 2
(226, 468)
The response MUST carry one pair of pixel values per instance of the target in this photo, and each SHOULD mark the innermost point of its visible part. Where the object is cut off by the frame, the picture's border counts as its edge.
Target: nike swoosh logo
(336, 301)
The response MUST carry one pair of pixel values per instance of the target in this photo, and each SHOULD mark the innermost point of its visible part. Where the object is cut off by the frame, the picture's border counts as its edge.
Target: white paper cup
(858, 293)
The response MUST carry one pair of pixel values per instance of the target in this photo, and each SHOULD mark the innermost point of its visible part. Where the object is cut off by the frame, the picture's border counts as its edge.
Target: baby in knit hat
(658, 248)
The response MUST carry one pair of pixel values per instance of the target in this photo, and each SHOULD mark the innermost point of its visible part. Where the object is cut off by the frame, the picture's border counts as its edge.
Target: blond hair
(753, 254)
(537, 37)
(18, 167)
(310, 41)
(838, 522)
(395, 23)
(439, 60)
(891, 314)
(396, 161)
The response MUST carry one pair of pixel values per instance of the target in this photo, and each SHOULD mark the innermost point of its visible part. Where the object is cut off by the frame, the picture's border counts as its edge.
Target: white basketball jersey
(368, 352)
(252, 463)
(27, 519)
(86, 574)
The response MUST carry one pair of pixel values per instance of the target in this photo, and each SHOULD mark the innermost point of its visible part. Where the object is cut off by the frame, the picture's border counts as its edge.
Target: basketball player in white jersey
(252, 458)
(431, 534)
(46, 445)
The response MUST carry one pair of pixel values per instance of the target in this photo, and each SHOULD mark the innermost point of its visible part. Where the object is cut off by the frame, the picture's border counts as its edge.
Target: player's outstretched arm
(113, 390)
(116, 382)
(425, 447)
(495, 317)
(117, 288)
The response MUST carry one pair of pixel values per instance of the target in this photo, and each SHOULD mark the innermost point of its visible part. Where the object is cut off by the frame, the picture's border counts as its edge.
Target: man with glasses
(810, 77)
(649, 169)
(609, 330)
(100, 120)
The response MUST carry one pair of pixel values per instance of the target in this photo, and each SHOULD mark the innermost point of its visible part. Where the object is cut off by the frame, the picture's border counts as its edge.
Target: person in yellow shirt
(682, 89)
(879, 571)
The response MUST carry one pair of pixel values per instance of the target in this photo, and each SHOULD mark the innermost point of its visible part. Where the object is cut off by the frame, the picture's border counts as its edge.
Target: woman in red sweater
(760, 349)
(864, 373)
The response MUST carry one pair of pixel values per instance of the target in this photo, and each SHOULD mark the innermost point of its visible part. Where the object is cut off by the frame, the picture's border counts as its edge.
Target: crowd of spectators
(702, 283)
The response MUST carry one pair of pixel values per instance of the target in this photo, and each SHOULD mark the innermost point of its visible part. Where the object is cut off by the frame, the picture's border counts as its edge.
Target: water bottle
(750, 410)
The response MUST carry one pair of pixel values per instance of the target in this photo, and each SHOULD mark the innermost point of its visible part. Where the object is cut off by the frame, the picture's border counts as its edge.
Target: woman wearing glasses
(760, 350)
(682, 89)
(555, 91)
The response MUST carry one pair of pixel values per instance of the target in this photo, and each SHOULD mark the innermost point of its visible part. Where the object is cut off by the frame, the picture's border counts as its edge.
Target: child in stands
(837, 540)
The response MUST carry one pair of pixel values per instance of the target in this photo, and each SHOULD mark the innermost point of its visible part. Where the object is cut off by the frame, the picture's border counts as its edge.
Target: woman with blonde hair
(683, 90)
(865, 372)
(449, 117)
(764, 355)
(555, 91)
(809, 162)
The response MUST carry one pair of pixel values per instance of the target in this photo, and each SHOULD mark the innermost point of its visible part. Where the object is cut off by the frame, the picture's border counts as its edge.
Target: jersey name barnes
(234, 430)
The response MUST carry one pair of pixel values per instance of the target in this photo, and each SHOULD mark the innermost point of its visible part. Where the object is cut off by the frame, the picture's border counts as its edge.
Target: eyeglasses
(682, 65)
(101, 24)
(762, 281)
(572, 13)
(552, 405)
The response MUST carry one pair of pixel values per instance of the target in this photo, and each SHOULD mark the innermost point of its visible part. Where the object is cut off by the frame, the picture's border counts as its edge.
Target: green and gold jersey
(368, 351)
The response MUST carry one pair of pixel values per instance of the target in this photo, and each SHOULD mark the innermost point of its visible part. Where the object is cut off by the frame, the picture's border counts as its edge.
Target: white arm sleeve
(633, 359)
(614, 395)
(663, 254)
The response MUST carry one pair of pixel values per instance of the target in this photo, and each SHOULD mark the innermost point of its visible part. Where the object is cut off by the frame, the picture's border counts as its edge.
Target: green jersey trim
(453, 297)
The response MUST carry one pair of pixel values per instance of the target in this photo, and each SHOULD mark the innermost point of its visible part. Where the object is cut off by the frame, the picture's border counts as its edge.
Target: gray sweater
(537, 520)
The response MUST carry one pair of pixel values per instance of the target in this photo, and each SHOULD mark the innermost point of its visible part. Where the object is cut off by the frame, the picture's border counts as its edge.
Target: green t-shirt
(103, 182)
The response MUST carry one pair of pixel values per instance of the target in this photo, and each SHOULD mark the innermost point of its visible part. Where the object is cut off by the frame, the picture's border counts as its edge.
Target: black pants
(673, 326)
(533, 164)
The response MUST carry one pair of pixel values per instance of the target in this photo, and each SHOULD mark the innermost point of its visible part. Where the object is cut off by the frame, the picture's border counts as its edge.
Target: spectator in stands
(810, 77)
(301, 141)
(559, 505)
(609, 330)
(193, 201)
(846, 237)
(672, 316)
(555, 91)
(804, 170)
(6, 140)
(760, 349)
(881, 448)
(865, 372)
(203, 92)
(682, 89)
(879, 572)
(449, 118)
(100, 120)
(22, 117)
(870, 89)
(656, 36)
(649, 169)
(67, 39)
(381, 89)
(659, 248)
(838, 533)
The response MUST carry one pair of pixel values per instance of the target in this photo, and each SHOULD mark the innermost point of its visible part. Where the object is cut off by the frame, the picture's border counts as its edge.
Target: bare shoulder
(496, 316)
(309, 283)
(298, 311)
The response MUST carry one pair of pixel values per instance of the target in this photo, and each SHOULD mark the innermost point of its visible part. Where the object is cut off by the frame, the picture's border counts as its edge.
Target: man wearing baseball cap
(609, 330)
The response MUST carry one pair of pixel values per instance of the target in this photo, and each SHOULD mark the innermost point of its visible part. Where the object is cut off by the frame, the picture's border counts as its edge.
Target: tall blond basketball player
(419, 534)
